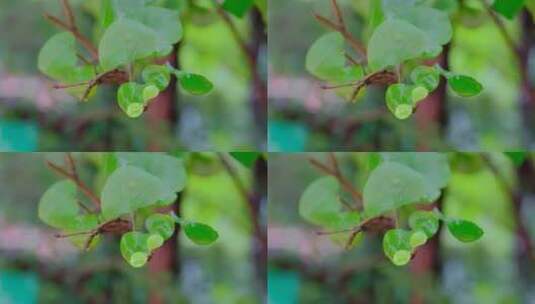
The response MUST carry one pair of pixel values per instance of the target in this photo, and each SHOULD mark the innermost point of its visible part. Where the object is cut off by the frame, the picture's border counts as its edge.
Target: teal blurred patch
(283, 287)
(286, 136)
(18, 136)
(18, 287)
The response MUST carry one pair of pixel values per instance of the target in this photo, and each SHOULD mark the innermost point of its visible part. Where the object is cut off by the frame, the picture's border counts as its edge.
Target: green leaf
(58, 56)
(326, 55)
(83, 223)
(161, 224)
(517, 158)
(195, 84)
(248, 159)
(394, 42)
(134, 248)
(126, 41)
(157, 75)
(397, 246)
(391, 7)
(424, 221)
(392, 185)
(434, 23)
(418, 94)
(465, 231)
(465, 86)
(154, 241)
(107, 14)
(149, 93)
(508, 8)
(130, 99)
(320, 204)
(128, 189)
(433, 166)
(164, 22)
(237, 7)
(418, 238)
(168, 169)
(399, 100)
(58, 206)
(200, 234)
(426, 76)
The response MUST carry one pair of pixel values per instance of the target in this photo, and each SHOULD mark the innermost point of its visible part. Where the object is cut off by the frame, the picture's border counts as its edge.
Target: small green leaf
(247, 159)
(58, 206)
(465, 231)
(200, 234)
(161, 224)
(157, 75)
(508, 8)
(195, 84)
(58, 56)
(417, 238)
(424, 221)
(397, 246)
(426, 76)
(464, 86)
(418, 94)
(130, 99)
(149, 93)
(134, 248)
(517, 158)
(326, 55)
(399, 100)
(237, 7)
(154, 241)
(320, 204)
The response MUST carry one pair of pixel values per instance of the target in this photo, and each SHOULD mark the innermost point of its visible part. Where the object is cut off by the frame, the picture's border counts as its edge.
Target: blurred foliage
(50, 270)
(490, 121)
(307, 268)
(222, 120)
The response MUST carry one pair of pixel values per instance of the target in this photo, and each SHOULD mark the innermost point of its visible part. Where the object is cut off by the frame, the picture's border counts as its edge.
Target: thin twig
(234, 176)
(334, 171)
(341, 27)
(67, 11)
(235, 33)
(81, 38)
(80, 184)
(501, 27)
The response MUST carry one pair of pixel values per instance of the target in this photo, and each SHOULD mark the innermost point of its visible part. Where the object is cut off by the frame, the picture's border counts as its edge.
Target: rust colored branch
(341, 27)
(333, 169)
(501, 27)
(79, 183)
(70, 26)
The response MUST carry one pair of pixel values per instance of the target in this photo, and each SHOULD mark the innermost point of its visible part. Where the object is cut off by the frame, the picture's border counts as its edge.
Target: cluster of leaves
(397, 185)
(135, 34)
(405, 35)
(138, 185)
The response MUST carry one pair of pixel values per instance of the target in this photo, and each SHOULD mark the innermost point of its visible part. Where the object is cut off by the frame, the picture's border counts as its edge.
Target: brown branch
(341, 27)
(67, 11)
(501, 27)
(334, 170)
(71, 27)
(235, 178)
(79, 183)
(235, 34)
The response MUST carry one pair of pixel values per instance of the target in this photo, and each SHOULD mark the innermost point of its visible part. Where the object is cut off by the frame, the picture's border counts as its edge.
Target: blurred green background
(35, 117)
(488, 189)
(35, 267)
(303, 117)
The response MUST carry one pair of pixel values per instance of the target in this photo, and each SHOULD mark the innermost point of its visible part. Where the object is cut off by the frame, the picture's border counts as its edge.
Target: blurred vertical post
(432, 114)
(258, 99)
(163, 112)
(258, 207)
(163, 117)
(527, 99)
